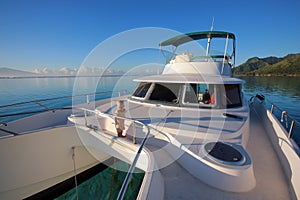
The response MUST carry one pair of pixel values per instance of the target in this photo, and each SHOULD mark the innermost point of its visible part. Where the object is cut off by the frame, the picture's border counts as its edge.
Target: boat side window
(233, 95)
(165, 92)
(191, 94)
(141, 90)
(196, 94)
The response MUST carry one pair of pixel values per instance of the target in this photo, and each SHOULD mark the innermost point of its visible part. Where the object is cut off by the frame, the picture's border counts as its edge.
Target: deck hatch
(225, 153)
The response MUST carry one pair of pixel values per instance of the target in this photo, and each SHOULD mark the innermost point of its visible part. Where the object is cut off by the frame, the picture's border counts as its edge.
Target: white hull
(33, 162)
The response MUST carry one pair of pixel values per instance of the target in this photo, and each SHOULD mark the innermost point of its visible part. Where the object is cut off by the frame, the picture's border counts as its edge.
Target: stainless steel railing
(286, 119)
(138, 153)
(11, 112)
(40, 103)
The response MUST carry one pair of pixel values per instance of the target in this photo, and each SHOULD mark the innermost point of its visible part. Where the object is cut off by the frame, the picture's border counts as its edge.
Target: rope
(75, 172)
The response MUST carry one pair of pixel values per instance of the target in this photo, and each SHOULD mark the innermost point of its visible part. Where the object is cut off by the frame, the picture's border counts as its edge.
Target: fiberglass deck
(270, 180)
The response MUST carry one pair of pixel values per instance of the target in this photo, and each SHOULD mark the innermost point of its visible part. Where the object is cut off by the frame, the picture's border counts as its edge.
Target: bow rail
(138, 153)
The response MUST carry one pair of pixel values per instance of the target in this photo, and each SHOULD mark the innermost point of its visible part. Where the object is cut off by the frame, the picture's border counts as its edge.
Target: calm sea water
(283, 91)
(107, 184)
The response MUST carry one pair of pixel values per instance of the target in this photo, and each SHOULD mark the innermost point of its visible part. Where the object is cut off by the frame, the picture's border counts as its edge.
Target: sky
(37, 34)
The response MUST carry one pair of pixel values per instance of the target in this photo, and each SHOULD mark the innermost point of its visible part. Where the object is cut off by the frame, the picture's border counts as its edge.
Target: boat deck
(271, 182)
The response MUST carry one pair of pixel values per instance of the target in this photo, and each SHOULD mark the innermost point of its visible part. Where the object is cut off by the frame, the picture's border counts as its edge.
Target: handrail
(63, 97)
(133, 165)
(284, 116)
(38, 102)
(287, 116)
(33, 112)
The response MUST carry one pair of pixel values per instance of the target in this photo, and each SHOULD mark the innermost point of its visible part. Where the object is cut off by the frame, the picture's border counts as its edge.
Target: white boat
(190, 129)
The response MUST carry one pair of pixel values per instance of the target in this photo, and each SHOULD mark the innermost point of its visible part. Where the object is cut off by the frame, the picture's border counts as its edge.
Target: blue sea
(282, 91)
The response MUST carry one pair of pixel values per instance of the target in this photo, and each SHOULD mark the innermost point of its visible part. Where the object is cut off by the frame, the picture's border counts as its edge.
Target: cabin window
(199, 94)
(165, 92)
(233, 95)
(142, 90)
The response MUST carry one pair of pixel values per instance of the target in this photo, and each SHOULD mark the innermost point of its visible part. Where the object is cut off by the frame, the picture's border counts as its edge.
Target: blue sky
(56, 34)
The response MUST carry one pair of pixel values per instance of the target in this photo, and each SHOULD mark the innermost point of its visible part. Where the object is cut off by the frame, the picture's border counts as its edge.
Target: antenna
(208, 40)
(212, 24)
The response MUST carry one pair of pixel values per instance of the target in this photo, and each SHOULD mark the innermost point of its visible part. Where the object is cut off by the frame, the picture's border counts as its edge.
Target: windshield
(214, 49)
(142, 90)
(191, 94)
(165, 92)
(199, 94)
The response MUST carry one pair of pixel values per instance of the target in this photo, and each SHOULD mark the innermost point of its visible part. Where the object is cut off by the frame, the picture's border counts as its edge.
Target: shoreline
(269, 75)
(25, 77)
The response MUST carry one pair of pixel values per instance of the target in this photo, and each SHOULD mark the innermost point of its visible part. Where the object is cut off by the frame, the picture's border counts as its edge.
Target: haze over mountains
(8, 72)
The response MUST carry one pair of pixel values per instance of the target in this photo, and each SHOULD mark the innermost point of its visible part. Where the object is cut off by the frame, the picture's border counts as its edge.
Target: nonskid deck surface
(270, 180)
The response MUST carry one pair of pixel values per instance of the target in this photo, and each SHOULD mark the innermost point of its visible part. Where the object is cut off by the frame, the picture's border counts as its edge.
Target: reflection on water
(28, 89)
(281, 91)
(281, 86)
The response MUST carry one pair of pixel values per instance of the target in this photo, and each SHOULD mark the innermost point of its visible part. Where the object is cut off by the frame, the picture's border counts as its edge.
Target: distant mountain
(270, 66)
(63, 72)
(10, 73)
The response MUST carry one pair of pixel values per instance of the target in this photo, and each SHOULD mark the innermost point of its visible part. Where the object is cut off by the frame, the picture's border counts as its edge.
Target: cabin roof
(190, 78)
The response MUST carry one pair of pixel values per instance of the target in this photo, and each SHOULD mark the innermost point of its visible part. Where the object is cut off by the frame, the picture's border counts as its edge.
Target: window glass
(166, 92)
(233, 97)
(199, 94)
(191, 94)
(142, 90)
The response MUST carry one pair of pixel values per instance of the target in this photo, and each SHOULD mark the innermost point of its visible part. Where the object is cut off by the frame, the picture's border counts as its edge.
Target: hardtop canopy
(181, 39)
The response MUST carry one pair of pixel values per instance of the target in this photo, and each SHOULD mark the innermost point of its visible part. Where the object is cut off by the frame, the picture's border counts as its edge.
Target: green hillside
(270, 66)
